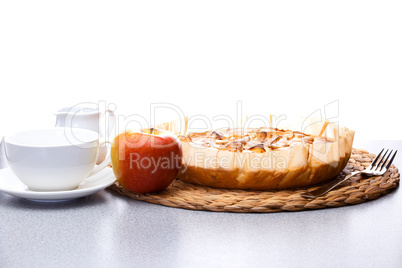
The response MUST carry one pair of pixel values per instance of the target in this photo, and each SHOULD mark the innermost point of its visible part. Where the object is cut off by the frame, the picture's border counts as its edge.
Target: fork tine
(376, 159)
(382, 158)
(375, 167)
(390, 161)
(385, 161)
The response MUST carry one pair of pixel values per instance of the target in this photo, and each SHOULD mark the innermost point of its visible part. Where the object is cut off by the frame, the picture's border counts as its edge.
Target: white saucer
(10, 184)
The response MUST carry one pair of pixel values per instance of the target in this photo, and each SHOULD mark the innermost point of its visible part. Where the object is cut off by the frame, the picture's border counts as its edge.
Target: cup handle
(104, 163)
(111, 121)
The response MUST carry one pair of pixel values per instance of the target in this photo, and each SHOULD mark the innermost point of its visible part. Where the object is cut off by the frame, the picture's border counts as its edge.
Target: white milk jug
(87, 118)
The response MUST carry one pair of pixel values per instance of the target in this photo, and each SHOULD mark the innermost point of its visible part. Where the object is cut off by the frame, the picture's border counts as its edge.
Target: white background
(282, 57)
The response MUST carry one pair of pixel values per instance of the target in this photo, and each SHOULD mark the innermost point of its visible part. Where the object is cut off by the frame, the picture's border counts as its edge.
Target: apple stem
(152, 130)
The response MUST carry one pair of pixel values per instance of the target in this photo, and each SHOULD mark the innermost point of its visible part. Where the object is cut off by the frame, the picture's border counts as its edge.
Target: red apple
(146, 161)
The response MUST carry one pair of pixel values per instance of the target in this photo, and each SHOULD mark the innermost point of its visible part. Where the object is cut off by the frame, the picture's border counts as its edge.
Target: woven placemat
(357, 190)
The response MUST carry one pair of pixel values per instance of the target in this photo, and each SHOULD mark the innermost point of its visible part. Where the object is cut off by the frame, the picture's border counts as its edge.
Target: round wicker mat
(357, 190)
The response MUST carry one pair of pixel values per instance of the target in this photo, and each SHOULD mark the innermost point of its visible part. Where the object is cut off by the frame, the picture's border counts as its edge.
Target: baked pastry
(264, 158)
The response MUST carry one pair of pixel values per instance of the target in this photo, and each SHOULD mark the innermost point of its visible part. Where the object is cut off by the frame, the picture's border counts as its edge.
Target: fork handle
(328, 187)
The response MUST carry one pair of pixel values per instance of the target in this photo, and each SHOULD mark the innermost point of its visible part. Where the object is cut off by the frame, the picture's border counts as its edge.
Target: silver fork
(377, 168)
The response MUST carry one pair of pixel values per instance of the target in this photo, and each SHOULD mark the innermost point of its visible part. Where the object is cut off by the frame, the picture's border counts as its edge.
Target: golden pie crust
(264, 158)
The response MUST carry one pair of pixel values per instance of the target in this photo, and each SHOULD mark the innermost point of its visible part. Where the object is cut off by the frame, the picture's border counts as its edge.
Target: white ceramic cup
(53, 159)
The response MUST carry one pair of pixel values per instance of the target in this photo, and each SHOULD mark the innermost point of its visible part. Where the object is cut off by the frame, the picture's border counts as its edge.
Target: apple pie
(264, 158)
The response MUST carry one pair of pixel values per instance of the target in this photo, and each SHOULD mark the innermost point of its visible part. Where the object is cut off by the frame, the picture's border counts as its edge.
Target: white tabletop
(108, 230)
